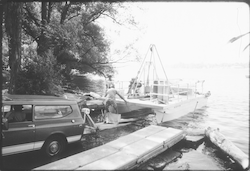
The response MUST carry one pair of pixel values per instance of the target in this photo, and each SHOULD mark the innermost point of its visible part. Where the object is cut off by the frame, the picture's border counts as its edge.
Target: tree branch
(29, 31)
(236, 38)
(94, 68)
(73, 16)
(87, 51)
(31, 15)
(246, 47)
(94, 16)
(112, 19)
(91, 37)
(64, 12)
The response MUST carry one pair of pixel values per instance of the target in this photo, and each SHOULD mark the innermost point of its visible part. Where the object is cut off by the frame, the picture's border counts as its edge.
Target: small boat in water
(168, 100)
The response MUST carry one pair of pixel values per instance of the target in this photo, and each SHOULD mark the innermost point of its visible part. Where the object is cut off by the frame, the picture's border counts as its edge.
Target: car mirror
(85, 110)
(5, 124)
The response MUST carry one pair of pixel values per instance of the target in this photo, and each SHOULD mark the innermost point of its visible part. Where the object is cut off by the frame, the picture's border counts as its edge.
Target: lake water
(227, 108)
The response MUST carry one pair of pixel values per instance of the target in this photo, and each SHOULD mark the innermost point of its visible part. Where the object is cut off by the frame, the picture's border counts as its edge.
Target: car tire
(54, 146)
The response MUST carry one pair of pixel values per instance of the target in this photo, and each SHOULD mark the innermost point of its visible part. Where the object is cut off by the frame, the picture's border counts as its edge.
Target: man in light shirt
(110, 102)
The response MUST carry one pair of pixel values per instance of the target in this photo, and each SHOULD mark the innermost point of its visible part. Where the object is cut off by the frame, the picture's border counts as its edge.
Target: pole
(195, 108)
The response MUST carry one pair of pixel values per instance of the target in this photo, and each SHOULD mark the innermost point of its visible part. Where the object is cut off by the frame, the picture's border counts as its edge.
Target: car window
(17, 113)
(48, 112)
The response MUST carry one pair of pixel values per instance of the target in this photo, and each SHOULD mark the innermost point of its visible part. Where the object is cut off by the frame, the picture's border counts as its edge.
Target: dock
(124, 153)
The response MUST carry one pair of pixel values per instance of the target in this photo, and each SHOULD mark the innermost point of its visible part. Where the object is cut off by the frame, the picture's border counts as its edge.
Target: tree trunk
(1, 46)
(64, 12)
(43, 42)
(13, 29)
(49, 11)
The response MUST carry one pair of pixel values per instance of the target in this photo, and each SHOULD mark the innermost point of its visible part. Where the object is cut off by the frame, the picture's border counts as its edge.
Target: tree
(59, 35)
(13, 16)
(69, 30)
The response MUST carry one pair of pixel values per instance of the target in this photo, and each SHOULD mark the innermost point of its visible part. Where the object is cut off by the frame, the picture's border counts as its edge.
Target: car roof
(35, 99)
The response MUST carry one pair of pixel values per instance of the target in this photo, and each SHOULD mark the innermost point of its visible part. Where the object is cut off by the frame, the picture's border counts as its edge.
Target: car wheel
(54, 146)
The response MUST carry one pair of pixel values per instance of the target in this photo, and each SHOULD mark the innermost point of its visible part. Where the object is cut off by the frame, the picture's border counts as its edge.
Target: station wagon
(49, 124)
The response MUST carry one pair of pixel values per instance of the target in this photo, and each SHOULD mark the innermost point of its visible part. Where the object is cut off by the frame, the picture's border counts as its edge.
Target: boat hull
(175, 111)
(122, 108)
(166, 112)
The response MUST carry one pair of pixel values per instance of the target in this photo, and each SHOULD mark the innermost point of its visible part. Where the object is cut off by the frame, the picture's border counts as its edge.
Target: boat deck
(126, 152)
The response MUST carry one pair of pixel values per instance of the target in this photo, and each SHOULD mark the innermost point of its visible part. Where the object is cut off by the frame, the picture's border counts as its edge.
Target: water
(228, 106)
(227, 109)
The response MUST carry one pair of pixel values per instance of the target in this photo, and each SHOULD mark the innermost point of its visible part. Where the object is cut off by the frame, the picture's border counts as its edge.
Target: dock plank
(142, 147)
(80, 159)
(165, 135)
(124, 141)
(118, 161)
(150, 130)
(123, 153)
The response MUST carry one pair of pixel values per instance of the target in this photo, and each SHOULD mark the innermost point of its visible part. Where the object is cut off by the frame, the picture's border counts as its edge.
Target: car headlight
(86, 111)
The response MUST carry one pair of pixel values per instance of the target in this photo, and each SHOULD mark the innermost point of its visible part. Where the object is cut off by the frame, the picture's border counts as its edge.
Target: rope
(133, 84)
(164, 71)
(138, 76)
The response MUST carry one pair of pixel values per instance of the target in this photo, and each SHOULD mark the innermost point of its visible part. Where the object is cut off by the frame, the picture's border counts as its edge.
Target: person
(110, 101)
(109, 82)
(134, 87)
(130, 86)
(16, 115)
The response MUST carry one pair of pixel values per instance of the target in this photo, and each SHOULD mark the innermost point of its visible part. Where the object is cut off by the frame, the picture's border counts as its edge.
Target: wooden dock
(126, 152)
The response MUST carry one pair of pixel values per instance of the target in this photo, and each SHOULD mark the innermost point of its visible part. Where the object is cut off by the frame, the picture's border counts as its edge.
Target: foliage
(5, 52)
(58, 37)
(39, 76)
(70, 32)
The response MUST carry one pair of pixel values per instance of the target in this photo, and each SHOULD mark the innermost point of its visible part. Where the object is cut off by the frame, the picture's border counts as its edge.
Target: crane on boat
(148, 75)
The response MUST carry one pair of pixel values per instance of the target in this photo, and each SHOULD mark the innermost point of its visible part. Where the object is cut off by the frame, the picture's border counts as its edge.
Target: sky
(185, 32)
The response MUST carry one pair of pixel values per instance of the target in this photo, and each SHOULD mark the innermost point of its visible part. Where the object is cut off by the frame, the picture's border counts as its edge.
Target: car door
(20, 136)
(57, 119)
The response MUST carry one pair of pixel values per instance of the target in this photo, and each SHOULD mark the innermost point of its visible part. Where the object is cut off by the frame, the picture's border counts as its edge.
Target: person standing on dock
(110, 102)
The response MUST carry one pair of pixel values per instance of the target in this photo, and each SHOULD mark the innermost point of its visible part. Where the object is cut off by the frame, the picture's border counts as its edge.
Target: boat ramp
(126, 152)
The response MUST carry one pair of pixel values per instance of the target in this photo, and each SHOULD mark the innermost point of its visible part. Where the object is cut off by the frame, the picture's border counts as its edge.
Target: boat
(168, 99)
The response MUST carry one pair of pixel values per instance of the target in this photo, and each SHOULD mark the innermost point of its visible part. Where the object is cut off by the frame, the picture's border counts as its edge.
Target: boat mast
(149, 64)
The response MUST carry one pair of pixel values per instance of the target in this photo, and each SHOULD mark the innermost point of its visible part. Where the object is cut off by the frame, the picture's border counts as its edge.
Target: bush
(40, 77)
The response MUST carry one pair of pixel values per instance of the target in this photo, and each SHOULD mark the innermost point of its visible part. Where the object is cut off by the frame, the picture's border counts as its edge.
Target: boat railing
(181, 92)
(122, 87)
(163, 90)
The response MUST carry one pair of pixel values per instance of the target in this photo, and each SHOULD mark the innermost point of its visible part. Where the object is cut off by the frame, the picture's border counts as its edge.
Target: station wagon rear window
(50, 112)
